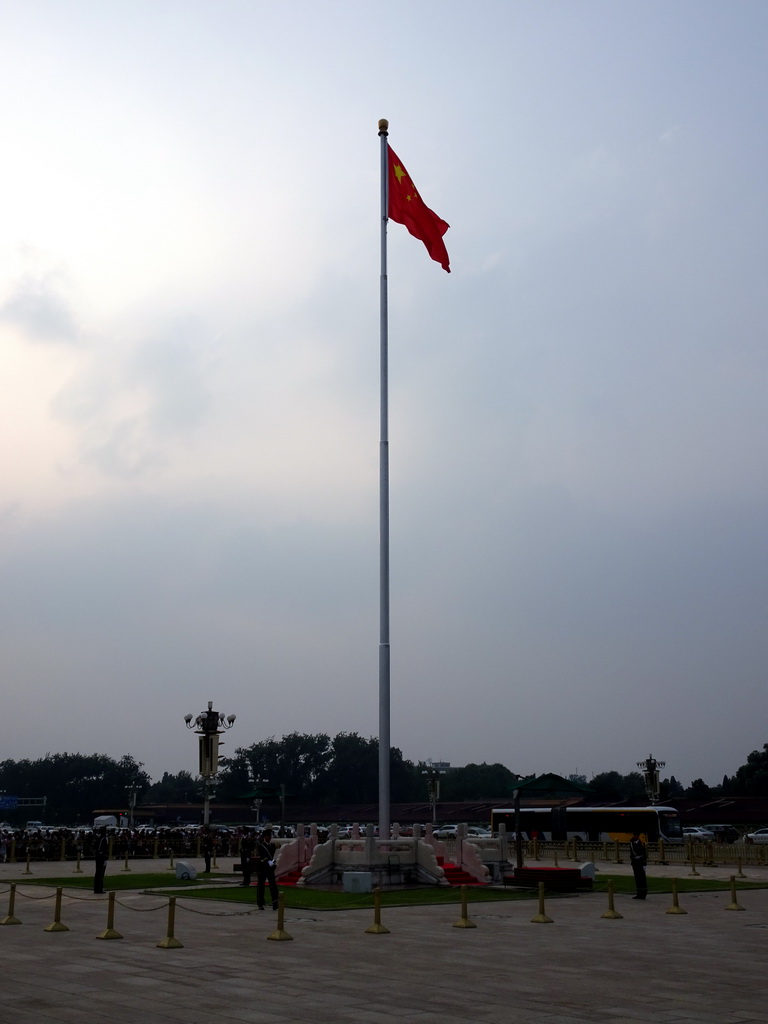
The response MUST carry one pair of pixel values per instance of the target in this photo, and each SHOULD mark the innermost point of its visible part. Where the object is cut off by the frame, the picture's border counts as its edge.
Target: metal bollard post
(78, 870)
(56, 925)
(170, 941)
(739, 873)
(464, 921)
(280, 934)
(554, 852)
(28, 869)
(541, 917)
(63, 849)
(110, 932)
(125, 865)
(611, 913)
(377, 928)
(675, 908)
(10, 919)
(734, 904)
(693, 870)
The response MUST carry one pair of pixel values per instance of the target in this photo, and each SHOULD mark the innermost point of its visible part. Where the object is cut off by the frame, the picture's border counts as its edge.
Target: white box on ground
(357, 881)
(185, 870)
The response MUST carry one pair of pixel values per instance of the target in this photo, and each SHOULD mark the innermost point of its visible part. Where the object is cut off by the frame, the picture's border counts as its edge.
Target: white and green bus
(591, 824)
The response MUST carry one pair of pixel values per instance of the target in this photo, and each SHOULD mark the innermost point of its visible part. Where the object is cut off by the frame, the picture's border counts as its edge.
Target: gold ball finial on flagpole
(383, 126)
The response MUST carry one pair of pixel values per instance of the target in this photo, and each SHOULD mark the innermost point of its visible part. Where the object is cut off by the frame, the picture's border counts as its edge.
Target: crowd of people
(142, 841)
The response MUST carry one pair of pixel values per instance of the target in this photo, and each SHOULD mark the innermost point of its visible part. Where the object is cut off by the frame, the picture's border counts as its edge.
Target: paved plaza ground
(706, 967)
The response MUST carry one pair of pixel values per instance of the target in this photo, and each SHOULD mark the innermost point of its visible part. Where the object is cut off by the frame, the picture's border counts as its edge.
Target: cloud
(134, 400)
(37, 307)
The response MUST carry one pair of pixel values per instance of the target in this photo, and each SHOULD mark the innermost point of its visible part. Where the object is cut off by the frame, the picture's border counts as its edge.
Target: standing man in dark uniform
(266, 851)
(206, 847)
(638, 858)
(246, 853)
(101, 856)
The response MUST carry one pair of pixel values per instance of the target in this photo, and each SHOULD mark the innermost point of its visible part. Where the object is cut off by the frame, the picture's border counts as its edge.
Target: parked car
(478, 832)
(723, 833)
(760, 836)
(445, 832)
(696, 834)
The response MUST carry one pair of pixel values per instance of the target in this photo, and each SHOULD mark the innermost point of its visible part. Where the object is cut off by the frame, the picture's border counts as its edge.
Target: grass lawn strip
(303, 898)
(118, 883)
(626, 884)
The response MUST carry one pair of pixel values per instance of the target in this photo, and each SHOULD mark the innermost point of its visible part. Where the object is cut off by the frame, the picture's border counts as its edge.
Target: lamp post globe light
(209, 725)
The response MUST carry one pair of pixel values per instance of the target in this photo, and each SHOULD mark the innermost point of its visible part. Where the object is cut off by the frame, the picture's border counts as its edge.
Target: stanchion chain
(215, 913)
(142, 910)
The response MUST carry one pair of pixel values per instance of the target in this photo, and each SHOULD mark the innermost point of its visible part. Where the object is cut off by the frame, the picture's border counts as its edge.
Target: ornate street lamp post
(209, 725)
(132, 792)
(433, 787)
(651, 776)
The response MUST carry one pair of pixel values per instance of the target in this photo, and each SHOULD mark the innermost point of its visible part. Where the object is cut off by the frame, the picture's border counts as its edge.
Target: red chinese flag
(407, 207)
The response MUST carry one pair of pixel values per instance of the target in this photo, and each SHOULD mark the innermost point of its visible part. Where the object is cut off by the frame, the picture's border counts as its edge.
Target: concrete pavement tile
(385, 1017)
(558, 1018)
(24, 1017)
(707, 968)
(188, 1015)
(246, 1013)
(610, 1014)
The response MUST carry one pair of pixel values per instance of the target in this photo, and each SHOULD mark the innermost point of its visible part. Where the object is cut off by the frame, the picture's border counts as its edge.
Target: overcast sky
(189, 327)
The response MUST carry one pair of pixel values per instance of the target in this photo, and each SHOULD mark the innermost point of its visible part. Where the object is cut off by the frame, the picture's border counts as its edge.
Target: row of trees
(750, 780)
(317, 769)
(73, 784)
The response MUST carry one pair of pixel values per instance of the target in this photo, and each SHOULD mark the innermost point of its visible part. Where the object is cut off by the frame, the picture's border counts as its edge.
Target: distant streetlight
(133, 792)
(258, 796)
(432, 775)
(651, 776)
(209, 725)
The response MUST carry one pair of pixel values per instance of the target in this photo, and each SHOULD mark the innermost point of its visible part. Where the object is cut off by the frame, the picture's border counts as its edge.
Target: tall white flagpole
(384, 664)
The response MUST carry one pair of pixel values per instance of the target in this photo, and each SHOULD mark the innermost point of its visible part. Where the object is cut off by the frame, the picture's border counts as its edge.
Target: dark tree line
(73, 784)
(315, 769)
(751, 779)
(345, 770)
(318, 769)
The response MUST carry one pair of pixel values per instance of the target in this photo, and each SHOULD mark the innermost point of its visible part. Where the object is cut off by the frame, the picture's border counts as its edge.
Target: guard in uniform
(638, 858)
